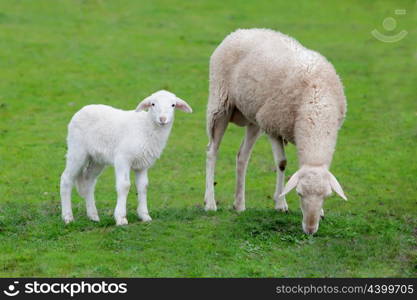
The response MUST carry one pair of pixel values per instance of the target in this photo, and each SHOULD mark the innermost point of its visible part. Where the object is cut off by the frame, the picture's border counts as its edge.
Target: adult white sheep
(267, 81)
(100, 135)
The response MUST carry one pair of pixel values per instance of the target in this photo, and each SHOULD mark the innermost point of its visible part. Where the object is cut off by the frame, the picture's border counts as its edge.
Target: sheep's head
(313, 184)
(161, 105)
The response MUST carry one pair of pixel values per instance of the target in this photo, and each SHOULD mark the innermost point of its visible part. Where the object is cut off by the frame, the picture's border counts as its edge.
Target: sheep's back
(267, 74)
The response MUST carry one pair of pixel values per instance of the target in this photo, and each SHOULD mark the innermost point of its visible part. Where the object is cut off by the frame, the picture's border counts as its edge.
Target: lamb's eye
(173, 105)
(153, 104)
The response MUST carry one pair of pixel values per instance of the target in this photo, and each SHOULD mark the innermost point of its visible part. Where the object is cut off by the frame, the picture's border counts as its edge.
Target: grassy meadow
(57, 56)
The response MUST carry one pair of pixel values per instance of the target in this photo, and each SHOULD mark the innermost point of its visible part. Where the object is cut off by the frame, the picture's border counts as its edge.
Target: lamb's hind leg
(75, 163)
(242, 158)
(280, 162)
(122, 169)
(86, 185)
(215, 137)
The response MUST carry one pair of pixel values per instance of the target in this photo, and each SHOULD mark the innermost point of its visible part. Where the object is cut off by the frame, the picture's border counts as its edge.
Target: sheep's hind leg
(215, 138)
(242, 158)
(141, 180)
(122, 169)
(280, 162)
(87, 183)
(74, 165)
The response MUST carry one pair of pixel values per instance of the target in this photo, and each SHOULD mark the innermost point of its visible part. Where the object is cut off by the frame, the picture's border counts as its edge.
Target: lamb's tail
(81, 180)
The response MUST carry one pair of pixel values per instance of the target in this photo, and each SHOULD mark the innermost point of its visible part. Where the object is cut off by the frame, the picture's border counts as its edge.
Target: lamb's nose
(163, 120)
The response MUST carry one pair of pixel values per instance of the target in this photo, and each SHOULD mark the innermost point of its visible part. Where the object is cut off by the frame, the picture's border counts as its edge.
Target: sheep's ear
(292, 183)
(145, 104)
(182, 105)
(336, 186)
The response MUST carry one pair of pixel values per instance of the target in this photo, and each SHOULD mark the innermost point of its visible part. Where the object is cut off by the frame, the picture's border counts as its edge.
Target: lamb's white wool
(100, 135)
(269, 82)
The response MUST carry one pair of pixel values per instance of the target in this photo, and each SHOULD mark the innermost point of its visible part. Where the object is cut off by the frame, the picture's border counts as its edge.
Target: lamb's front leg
(122, 169)
(280, 162)
(142, 186)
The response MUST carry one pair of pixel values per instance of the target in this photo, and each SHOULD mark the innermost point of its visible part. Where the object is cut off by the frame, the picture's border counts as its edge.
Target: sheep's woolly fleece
(285, 88)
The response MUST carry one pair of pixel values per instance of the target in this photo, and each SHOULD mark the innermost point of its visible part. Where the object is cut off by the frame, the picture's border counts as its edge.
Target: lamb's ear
(292, 183)
(336, 186)
(145, 104)
(182, 105)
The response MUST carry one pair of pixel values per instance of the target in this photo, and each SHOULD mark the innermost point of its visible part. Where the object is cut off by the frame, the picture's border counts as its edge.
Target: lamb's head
(313, 184)
(161, 106)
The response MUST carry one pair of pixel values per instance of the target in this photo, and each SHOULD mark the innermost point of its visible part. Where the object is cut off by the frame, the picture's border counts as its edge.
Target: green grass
(57, 56)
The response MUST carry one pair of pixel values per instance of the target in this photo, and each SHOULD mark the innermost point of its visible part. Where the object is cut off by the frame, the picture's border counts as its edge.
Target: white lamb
(100, 135)
(268, 82)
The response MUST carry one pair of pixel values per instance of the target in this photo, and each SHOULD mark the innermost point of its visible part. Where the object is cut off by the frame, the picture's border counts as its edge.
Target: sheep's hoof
(94, 217)
(322, 214)
(68, 218)
(239, 207)
(121, 221)
(145, 218)
(283, 207)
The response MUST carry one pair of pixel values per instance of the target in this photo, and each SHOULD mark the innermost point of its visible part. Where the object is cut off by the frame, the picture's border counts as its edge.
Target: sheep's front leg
(252, 134)
(122, 169)
(280, 162)
(142, 186)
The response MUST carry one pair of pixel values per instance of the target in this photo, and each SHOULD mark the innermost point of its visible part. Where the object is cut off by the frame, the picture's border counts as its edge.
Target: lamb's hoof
(210, 207)
(282, 207)
(145, 218)
(239, 208)
(94, 217)
(121, 221)
(322, 214)
(68, 218)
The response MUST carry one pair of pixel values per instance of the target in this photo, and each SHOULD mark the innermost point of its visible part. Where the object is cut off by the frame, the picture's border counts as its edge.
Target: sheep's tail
(218, 106)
